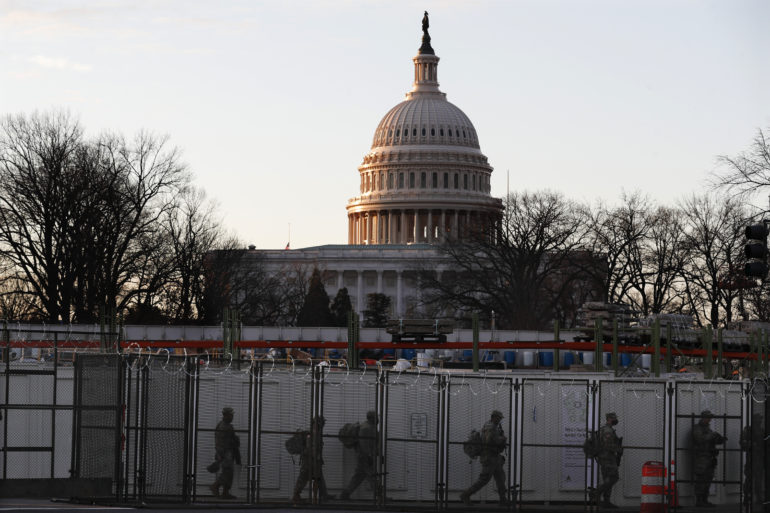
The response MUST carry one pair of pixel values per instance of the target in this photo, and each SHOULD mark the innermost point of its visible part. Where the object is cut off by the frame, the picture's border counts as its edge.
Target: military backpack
(591, 445)
(348, 434)
(296, 443)
(472, 446)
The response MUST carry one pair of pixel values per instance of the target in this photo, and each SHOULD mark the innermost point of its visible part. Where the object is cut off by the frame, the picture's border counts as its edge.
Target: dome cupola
(424, 179)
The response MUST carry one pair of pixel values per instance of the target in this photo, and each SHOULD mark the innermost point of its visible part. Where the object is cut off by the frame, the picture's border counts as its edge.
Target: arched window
(411, 180)
(432, 132)
(398, 132)
(435, 180)
(382, 181)
(465, 181)
(474, 182)
(450, 132)
(401, 180)
(446, 180)
(465, 136)
(390, 180)
(414, 132)
(423, 131)
(441, 132)
(422, 180)
(457, 186)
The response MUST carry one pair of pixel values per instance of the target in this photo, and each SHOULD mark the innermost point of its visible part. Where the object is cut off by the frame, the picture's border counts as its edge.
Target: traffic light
(756, 251)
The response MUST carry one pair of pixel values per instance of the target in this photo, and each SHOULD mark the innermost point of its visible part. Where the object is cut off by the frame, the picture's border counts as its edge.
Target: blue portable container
(545, 358)
(510, 357)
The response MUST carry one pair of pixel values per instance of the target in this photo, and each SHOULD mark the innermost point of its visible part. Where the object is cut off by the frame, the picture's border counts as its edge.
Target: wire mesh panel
(641, 410)
(471, 399)
(347, 397)
(755, 443)
(98, 400)
(411, 417)
(555, 416)
(284, 399)
(164, 430)
(725, 401)
(222, 384)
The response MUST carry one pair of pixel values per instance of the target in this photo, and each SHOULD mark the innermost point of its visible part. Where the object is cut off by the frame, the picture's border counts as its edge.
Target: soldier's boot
(296, 500)
(466, 497)
(226, 493)
(503, 500)
(593, 495)
(214, 487)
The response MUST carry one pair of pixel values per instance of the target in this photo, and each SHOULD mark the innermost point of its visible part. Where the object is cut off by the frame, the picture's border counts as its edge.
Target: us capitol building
(423, 181)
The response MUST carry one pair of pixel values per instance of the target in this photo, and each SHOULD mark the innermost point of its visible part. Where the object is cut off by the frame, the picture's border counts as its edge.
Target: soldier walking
(311, 462)
(704, 442)
(608, 457)
(366, 452)
(493, 443)
(226, 446)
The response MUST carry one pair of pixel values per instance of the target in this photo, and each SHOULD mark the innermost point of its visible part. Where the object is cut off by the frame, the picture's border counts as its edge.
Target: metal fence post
(475, 321)
(720, 350)
(598, 340)
(707, 361)
(556, 352)
(656, 348)
(669, 344)
(615, 345)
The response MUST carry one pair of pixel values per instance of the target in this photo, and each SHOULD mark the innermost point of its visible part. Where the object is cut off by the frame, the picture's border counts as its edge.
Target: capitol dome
(424, 179)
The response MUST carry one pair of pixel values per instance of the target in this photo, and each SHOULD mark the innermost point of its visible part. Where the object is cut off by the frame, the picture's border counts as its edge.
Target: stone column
(403, 227)
(456, 225)
(360, 292)
(399, 294)
(375, 227)
(430, 226)
(467, 222)
(442, 231)
(416, 224)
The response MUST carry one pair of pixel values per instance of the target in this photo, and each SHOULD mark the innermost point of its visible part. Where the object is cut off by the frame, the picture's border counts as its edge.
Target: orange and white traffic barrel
(653, 488)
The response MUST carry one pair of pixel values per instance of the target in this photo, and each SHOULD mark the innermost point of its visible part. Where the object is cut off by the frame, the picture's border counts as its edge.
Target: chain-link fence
(143, 429)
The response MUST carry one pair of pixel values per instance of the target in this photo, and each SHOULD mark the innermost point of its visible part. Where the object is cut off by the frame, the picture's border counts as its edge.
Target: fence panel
(641, 410)
(284, 406)
(411, 436)
(725, 401)
(98, 414)
(222, 384)
(556, 414)
(755, 442)
(164, 430)
(470, 402)
(347, 397)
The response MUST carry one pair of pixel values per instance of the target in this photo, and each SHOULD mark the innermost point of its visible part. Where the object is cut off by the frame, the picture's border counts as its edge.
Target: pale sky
(274, 103)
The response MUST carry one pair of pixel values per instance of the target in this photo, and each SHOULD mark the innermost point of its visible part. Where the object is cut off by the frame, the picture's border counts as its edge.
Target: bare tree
(713, 239)
(616, 233)
(39, 182)
(657, 263)
(748, 173)
(523, 273)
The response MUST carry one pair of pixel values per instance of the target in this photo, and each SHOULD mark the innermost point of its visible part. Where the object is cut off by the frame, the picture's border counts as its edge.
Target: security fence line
(148, 427)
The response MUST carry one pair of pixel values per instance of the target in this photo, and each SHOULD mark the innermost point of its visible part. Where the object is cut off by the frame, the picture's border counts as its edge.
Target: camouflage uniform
(226, 445)
(610, 451)
(704, 442)
(311, 462)
(366, 452)
(493, 442)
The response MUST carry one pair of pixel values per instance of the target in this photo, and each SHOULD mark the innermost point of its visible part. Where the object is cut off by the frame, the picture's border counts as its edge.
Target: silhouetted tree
(315, 310)
(377, 309)
(522, 272)
(341, 307)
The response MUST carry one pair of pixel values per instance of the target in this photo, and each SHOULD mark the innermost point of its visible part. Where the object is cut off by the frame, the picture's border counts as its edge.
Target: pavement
(49, 505)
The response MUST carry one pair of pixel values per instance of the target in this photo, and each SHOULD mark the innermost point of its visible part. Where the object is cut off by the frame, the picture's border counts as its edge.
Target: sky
(274, 103)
